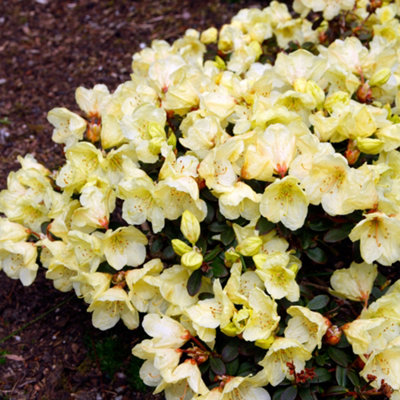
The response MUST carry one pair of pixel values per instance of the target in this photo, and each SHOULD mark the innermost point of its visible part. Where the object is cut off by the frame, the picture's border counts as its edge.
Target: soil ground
(47, 49)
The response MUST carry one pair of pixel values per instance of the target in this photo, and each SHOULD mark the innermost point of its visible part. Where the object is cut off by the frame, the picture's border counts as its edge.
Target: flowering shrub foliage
(239, 198)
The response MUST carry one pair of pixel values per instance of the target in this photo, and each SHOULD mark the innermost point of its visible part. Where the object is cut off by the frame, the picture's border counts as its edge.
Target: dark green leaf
(217, 366)
(156, 246)
(217, 227)
(320, 225)
(337, 234)
(202, 244)
(227, 236)
(318, 302)
(317, 255)
(335, 390)
(277, 394)
(168, 253)
(218, 268)
(322, 359)
(290, 393)
(212, 254)
(246, 348)
(194, 282)
(339, 356)
(232, 367)
(205, 295)
(323, 375)
(230, 351)
(341, 375)
(264, 226)
(245, 369)
(305, 393)
(354, 377)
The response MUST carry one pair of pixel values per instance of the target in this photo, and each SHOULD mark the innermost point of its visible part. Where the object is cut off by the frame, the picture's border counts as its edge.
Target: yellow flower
(124, 246)
(281, 352)
(285, 201)
(355, 282)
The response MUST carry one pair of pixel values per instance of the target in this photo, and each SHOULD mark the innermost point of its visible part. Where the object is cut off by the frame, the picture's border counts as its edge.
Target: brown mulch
(47, 49)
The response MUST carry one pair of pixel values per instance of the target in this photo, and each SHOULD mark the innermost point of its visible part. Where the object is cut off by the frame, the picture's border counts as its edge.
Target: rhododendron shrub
(239, 199)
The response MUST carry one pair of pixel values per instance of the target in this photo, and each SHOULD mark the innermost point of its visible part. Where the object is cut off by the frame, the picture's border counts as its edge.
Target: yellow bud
(230, 330)
(335, 99)
(192, 260)
(231, 257)
(265, 343)
(316, 92)
(171, 139)
(155, 130)
(209, 36)
(300, 85)
(240, 319)
(380, 77)
(190, 227)
(180, 247)
(249, 246)
(219, 62)
(370, 145)
(155, 145)
(256, 47)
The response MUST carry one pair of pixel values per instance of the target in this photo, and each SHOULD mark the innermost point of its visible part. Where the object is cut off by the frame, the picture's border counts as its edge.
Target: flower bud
(209, 36)
(265, 343)
(256, 47)
(369, 145)
(336, 99)
(220, 63)
(180, 247)
(192, 260)
(231, 256)
(155, 145)
(249, 246)
(316, 92)
(380, 77)
(171, 139)
(333, 335)
(230, 330)
(190, 227)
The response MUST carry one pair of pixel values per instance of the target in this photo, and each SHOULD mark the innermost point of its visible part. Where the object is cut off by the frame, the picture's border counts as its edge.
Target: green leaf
(323, 375)
(338, 234)
(320, 225)
(318, 302)
(306, 394)
(218, 268)
(264, 226)
(339, 356)
(194, 282)
(232, 367)
(227, 236)
(354, 377)
(156, 246)
(212, 254)
(217, 366)
(245, 369)
(289, 393)
(336, 390)
(341, 375)
(217, 227)
(230, 351)
(317, 255)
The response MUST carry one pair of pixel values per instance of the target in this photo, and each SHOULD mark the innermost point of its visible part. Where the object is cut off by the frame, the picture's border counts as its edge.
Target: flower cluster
(193, 196)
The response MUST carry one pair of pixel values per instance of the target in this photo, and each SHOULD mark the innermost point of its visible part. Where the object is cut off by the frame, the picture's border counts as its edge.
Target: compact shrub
(238, 198)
